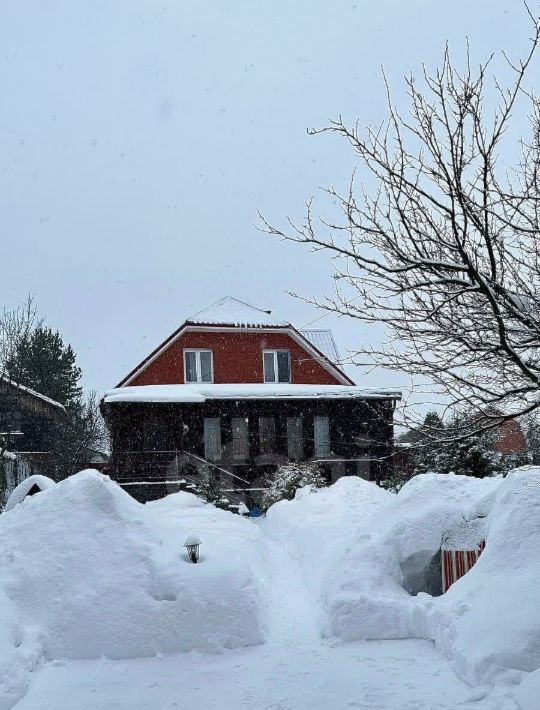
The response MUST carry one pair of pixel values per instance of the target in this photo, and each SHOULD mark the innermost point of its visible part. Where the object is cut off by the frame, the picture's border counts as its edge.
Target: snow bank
(360, 547)
(488, 621)
(20, 492)
(93, 572)
(319, 526)
(528, 692)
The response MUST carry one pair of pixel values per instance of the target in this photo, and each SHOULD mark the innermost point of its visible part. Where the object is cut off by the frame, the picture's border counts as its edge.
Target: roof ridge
(224, 300)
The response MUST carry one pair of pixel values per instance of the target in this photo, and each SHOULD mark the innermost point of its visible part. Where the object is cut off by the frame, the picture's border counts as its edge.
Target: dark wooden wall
(145, 437)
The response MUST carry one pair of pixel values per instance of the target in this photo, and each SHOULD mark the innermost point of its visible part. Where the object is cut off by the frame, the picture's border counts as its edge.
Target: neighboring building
(28, 420)
(238, 389)
(510, 439)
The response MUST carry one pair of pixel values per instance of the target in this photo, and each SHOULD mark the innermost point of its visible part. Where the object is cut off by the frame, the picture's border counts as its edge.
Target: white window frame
(274, 352)
(198, 351)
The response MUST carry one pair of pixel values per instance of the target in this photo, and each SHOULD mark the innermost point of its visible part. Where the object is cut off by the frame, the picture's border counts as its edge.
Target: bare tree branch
(444, 246)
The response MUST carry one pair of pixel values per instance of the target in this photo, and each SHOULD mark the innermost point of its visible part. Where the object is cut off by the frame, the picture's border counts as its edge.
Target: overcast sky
(138, 139)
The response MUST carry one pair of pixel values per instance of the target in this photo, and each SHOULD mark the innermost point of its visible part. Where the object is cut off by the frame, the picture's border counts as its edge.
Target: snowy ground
(294, 670)
(101, 610)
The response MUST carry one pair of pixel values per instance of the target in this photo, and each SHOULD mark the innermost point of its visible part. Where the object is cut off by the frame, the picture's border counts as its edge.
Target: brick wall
(237, 358)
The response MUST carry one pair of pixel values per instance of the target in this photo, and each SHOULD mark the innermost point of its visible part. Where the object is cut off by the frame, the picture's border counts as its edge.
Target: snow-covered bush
(288, 478)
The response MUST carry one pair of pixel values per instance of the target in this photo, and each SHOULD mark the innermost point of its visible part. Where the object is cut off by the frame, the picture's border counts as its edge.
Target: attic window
(277, 366)
(198, 366)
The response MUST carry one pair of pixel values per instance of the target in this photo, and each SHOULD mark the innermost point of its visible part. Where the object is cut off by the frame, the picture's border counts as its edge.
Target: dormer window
(277, 365)
(198, 366)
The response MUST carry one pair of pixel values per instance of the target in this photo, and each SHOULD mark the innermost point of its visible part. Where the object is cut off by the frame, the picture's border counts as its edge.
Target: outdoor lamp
(192, 544)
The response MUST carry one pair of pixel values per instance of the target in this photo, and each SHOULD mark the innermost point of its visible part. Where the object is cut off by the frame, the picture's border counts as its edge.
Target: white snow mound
(19, 493)
(488, 621)
(93, 572)
(370, 557)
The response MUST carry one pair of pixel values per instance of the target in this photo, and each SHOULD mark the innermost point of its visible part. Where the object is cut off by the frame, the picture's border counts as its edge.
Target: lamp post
(192, 544)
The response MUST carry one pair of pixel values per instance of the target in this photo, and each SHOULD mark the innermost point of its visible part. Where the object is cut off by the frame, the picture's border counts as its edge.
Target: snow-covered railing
(15, 470)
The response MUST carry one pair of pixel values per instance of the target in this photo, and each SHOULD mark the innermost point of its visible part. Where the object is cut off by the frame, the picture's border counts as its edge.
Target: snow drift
(488, 621)
(92, 572)
(360, 548)
(87, 571)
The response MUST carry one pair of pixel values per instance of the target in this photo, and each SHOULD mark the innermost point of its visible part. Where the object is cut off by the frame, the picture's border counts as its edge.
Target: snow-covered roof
(32, 393)
(232, 311)
(324, 341)
(466, 536)
(200, 393)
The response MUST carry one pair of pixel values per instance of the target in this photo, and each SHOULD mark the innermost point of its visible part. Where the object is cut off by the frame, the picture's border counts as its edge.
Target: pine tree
(44, 363)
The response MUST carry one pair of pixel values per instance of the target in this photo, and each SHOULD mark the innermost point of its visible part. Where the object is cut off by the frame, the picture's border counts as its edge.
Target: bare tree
(441, 241)
(16, 326)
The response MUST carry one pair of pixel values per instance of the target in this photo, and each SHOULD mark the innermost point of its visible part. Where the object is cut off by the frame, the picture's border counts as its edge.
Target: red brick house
(240, 389)
(511, 439)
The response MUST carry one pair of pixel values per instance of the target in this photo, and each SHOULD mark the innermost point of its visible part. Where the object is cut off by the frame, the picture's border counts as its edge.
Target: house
(28, 421)
(238, 390)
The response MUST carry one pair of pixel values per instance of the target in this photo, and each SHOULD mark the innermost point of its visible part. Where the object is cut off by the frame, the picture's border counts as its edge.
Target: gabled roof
(324, 341)
(231, 311)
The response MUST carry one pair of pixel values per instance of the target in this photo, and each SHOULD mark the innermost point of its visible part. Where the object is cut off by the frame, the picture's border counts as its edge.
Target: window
(295, 438)
(198, 366)
(212, 439)
(240, 440)
(321, 436)
(277, 366)
(267, 435)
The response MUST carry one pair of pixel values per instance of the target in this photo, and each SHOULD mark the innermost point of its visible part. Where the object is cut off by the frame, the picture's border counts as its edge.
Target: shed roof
(7, 383)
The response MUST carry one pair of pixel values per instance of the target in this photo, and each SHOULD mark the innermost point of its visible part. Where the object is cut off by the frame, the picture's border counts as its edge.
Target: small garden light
(192, 544)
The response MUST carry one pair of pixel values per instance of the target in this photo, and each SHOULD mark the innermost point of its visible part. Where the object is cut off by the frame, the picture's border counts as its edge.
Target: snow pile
(488, 621)
(92, 572)
(366, 592)
(363, 550)
(360, 546)
(319, 527)
(20, 492)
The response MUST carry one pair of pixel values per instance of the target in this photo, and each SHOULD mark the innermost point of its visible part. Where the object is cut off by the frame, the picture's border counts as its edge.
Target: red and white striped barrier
(456, 563)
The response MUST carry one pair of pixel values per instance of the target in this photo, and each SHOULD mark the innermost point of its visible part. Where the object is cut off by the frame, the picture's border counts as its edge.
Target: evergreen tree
(438, 447)
(44, 363)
